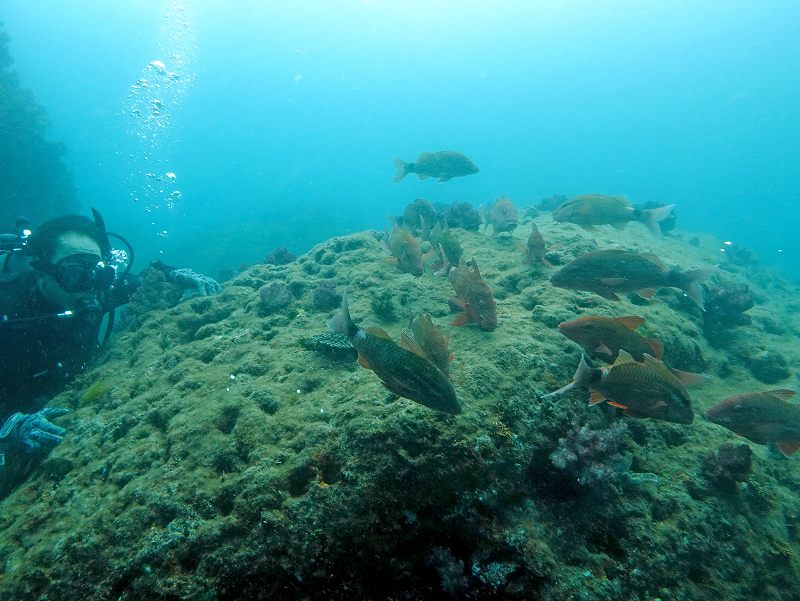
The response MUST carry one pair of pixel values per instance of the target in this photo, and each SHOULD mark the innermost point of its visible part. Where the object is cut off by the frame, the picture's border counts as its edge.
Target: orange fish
(502, 216)
(404, 248)
(534, 250)
(763, 417)
(473, 295)
(648, 389)
(603, 337)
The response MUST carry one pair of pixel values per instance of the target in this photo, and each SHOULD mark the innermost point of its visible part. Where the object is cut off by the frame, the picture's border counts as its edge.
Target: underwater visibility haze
(508, 310)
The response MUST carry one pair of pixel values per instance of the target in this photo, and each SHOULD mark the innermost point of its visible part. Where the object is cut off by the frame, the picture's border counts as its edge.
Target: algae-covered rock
(218, 451)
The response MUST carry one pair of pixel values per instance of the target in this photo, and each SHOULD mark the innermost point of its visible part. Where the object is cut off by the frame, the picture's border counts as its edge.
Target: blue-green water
(281, 120)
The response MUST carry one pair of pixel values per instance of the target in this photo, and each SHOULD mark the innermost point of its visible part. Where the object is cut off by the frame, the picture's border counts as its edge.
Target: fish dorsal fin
(788, 448)
(411, 345)
(377, 331)
(596, 397)
(784, 394)
(625, 357)
(656, 347)
(631, 322)
(475, 268)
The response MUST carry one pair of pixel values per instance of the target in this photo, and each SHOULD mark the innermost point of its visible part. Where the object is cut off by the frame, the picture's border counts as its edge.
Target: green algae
(229, 459)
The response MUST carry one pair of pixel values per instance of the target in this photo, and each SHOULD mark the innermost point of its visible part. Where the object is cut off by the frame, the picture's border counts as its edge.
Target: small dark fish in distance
(444, 165)
(608, 272)
(603, 337)
(647, 389)
(588, 210)
(405, 373)
(535, 248)
(763, 417)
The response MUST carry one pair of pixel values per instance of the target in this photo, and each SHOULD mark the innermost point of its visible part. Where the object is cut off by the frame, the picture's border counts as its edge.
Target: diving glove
(32, 431)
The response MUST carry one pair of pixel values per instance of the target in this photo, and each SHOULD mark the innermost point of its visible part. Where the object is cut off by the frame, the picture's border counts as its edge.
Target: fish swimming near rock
(405, 250)
(603, 337)
(432, 341)
(588, 210)
(647, 389)
(763, 417)
(502, 216)
(473, 295)
(404, 372)
(444, 165)
(535, 248)
(608, 272)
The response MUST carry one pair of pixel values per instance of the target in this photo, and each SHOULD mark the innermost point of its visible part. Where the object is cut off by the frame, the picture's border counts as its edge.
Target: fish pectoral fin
(612, 281)
(603, 350)
(459, 320)
(422, 176)
(377, 331)
(784, 394)
(445, 178)
(789, 448)
(458, 302)
(596, 397)
(619, 225)
(618, 405)
(362, 361)
(411, 345)
(647, 293)
(632, 322)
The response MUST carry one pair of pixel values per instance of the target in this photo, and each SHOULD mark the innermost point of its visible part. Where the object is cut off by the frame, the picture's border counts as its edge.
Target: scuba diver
(57, 284)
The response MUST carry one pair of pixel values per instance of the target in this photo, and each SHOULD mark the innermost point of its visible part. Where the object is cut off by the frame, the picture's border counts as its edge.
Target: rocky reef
(238, 451)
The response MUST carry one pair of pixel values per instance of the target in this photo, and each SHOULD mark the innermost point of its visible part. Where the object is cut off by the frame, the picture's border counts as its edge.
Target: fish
(473, 298)
(641, 390)
(588, 210)
(607, 272)
(405, 250)
(444, 165)
(433, 343)
(440, 237)
(534, 250)
(502, 216)
(603, 337)
(417, 211)
(408, 374)
(763, 417)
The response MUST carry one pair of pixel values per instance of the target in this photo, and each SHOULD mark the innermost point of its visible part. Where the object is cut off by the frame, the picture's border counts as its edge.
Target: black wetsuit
(41, 349)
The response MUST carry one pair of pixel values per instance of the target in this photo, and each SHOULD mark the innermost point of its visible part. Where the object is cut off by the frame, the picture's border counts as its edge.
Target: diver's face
(74, 252)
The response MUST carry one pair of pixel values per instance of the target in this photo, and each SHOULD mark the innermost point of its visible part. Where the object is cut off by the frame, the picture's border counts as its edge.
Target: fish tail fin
(401, 169)
(342, 322)
(582, 378)
(652, 217)
(689, 282)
